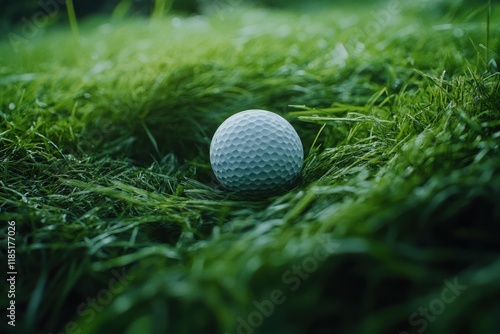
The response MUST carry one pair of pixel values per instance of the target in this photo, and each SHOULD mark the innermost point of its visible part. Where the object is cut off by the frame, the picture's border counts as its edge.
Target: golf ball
(256, 151)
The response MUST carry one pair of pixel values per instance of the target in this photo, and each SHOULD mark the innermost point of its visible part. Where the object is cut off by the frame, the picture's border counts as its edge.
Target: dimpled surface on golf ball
(256, 151)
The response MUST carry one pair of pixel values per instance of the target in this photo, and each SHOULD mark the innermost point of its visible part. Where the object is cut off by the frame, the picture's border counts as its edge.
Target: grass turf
(121, 226)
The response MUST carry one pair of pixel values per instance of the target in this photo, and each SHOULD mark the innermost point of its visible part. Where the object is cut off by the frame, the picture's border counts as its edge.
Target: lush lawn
(122, 227)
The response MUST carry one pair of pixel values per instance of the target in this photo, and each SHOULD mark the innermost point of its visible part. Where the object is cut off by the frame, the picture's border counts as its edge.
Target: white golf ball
(256, 151)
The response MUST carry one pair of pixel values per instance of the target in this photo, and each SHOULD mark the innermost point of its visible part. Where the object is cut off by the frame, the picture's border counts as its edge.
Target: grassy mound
(122, 227)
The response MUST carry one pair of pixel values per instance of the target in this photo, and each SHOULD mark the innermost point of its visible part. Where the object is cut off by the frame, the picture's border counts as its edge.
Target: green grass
(104, 146)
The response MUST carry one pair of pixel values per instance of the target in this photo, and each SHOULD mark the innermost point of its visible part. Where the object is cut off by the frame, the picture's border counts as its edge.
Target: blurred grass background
(104, 139)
